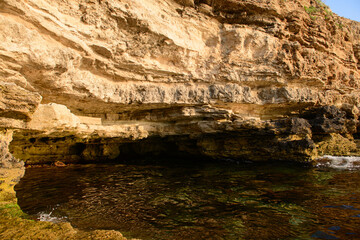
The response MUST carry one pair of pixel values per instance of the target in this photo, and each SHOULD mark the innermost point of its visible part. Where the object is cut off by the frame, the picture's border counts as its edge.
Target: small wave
(48, 217)
(338, 162)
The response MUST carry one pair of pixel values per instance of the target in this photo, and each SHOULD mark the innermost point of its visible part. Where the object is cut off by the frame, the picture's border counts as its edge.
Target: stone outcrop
(228, 79)
(11, 169)
(17, 106)
(112, 80)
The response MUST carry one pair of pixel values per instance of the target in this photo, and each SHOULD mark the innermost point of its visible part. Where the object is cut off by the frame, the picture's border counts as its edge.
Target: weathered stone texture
(222, 74)
(16, 102)
(11, 169)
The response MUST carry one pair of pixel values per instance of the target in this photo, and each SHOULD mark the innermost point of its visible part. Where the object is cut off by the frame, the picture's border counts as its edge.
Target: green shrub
(339, 25)
(319, 7)
(311, 10)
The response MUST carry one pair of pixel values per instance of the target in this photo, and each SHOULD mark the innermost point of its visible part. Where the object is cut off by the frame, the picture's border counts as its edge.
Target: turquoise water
(198, 200)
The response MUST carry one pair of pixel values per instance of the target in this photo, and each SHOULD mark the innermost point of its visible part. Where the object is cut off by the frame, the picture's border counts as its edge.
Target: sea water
(198, 200)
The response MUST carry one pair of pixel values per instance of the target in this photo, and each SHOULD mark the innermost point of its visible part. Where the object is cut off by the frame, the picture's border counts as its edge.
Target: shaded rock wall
(11, 169)
(237, 79)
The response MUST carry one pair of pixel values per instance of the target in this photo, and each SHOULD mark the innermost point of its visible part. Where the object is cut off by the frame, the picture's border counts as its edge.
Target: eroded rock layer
(228, 79)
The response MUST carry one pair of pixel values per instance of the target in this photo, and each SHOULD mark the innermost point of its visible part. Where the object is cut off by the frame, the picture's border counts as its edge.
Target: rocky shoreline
(89, 81)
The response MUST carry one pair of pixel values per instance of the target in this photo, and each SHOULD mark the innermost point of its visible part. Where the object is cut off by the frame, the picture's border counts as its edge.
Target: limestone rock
(16, 102)
(242, 80)
(186, 3)
(52, 116)
(206, 9)
(210, 77)
(328, 119)
(6, 159)
(11, 169)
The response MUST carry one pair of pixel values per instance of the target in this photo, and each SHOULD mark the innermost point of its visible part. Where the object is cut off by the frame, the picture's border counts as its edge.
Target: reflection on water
(199, 201)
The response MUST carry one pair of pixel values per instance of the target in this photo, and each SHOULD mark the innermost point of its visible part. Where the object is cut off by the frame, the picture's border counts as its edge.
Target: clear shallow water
(198, 201)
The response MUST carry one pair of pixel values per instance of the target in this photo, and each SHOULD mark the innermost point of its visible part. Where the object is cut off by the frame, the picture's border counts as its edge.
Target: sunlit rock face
(230, 79)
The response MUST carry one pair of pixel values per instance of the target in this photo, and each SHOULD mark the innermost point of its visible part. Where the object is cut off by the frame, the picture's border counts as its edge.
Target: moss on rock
(336, 144)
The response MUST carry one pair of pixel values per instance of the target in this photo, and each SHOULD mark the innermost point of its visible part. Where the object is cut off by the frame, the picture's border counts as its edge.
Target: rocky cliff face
(241, 79)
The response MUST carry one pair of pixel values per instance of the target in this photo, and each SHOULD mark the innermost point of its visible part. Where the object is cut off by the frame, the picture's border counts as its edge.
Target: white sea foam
(48, 217)
(339, 162)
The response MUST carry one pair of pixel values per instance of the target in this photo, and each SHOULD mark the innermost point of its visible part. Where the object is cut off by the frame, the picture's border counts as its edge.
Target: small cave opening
(72, 150)
(77, 148)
